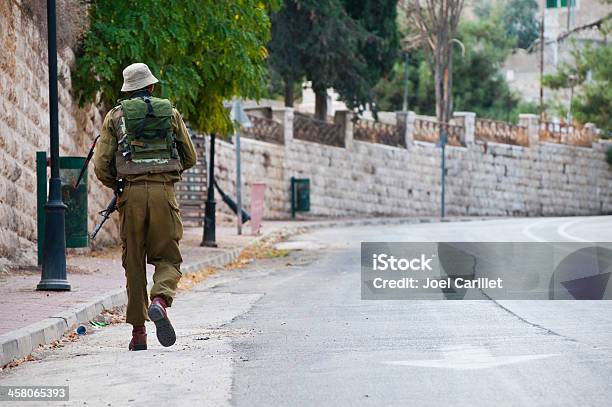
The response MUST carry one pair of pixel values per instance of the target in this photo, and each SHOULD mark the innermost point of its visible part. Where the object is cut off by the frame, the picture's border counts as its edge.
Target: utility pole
(238, 181)
(239, 119)
(53, 276)
(569, 13)
(542, 67)
(405, 101)
(209, 238)
(443, 139)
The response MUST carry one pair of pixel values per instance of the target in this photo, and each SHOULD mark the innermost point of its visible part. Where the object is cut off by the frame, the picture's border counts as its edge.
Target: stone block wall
(369, 179)
(24, 129)
(261, 162)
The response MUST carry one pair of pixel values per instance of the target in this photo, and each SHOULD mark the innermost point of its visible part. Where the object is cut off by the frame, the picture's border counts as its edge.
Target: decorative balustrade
(501, 132)
(317, 131)
(264, 130)
(428, 130)
(380, 133)
(566, 133)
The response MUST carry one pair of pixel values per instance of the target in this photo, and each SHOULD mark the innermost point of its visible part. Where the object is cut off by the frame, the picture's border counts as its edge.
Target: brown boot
(157, 313)
(139, 338)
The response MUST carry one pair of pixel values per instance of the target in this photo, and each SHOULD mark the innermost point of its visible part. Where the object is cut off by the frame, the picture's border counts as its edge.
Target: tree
(435, 23)
(379, 50)
(202, 51)
(290, 26)
(481, 87)
(591, 73)
(344, 44)
(520, 21)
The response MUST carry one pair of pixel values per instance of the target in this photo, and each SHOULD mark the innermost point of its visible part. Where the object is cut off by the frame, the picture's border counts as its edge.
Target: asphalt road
(293, 331)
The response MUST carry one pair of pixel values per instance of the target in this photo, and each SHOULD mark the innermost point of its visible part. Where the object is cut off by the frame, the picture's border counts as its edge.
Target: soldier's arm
(183, 141)
(104, 156)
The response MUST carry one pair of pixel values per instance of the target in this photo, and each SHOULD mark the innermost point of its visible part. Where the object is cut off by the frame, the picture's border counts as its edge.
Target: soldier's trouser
(150, 232)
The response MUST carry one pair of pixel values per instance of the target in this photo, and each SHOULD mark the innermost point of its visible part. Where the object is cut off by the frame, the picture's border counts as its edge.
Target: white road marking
(562, 231)
(469, 358)
(527, 229)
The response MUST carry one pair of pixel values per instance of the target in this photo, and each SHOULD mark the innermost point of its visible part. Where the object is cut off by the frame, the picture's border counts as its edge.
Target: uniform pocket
(175, 213)
(121, 206)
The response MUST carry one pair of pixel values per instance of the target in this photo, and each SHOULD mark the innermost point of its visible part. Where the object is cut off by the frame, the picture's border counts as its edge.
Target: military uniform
(150, 223)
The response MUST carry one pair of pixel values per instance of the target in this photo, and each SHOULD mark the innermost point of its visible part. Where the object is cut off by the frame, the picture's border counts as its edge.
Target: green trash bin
(300, 195)
(75, 199)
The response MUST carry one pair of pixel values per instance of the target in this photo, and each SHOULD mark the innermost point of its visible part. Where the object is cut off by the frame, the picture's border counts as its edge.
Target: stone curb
(21, 342)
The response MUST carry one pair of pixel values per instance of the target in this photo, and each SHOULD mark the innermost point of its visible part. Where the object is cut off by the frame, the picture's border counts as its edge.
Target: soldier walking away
(143, 149)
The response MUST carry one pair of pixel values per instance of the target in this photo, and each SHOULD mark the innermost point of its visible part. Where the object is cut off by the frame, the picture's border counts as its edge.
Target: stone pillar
(345, 118)
(405, 121)
(532, 123)
(468, 119)
(284, 115)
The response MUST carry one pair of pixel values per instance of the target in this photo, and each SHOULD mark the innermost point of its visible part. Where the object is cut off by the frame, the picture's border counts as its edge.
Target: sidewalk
(31, 318)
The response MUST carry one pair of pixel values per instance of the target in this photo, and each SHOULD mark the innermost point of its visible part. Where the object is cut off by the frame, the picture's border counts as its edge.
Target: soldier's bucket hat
(137, 76)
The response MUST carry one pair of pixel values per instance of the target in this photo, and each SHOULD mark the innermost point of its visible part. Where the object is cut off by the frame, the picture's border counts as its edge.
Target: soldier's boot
(139, 338)
(157, 313)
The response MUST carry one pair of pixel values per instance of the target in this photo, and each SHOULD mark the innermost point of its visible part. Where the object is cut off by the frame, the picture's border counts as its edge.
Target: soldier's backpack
(146, 140)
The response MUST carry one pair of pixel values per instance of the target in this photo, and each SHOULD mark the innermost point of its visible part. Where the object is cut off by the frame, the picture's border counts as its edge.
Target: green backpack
(146, 139)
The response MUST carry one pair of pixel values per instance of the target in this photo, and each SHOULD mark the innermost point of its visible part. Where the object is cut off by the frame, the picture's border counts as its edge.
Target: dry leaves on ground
(263, 249)
(188, 281)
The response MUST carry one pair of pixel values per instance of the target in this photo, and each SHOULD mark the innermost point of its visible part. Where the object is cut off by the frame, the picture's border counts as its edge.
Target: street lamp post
(405, 101)
(209, 238)
(54, 250)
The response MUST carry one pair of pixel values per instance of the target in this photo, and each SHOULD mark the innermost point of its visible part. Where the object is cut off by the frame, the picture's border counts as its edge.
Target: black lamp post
(209, 212)
(54, 250)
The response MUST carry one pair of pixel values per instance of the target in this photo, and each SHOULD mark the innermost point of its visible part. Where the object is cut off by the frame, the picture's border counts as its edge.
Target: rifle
(110, 208)
(86, 163)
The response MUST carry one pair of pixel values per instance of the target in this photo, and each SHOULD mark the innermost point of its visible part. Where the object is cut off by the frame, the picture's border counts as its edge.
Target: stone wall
(261, 162)
(369, 179)
(24, 129)
(360, 179)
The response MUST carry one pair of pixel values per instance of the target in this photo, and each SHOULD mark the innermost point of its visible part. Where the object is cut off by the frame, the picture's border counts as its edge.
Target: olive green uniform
(150, 223)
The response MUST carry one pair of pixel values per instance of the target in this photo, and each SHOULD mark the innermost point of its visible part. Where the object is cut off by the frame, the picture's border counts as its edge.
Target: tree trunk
(289, 96)
(320, 104)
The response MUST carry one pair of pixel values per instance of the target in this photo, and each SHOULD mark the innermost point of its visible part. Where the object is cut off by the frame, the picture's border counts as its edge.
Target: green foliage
(344, 44)
(202, 51)
(389, 92)
(379, 50)
(478, 85)
(609, 155)
(591, 74)
(517, 18)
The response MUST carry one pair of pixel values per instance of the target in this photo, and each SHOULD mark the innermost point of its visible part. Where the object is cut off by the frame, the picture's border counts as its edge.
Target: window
(559, 3)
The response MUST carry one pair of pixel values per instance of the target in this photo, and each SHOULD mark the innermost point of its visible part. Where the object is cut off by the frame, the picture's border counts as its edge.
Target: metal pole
(405, 102)
(443, 174)
(53, 276)
(569, 13)
(238, 182)
(208, 238)
(541, 67)
(569, 110)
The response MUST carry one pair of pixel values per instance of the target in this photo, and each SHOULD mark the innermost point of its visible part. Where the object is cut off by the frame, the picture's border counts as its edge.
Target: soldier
(143, 149)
